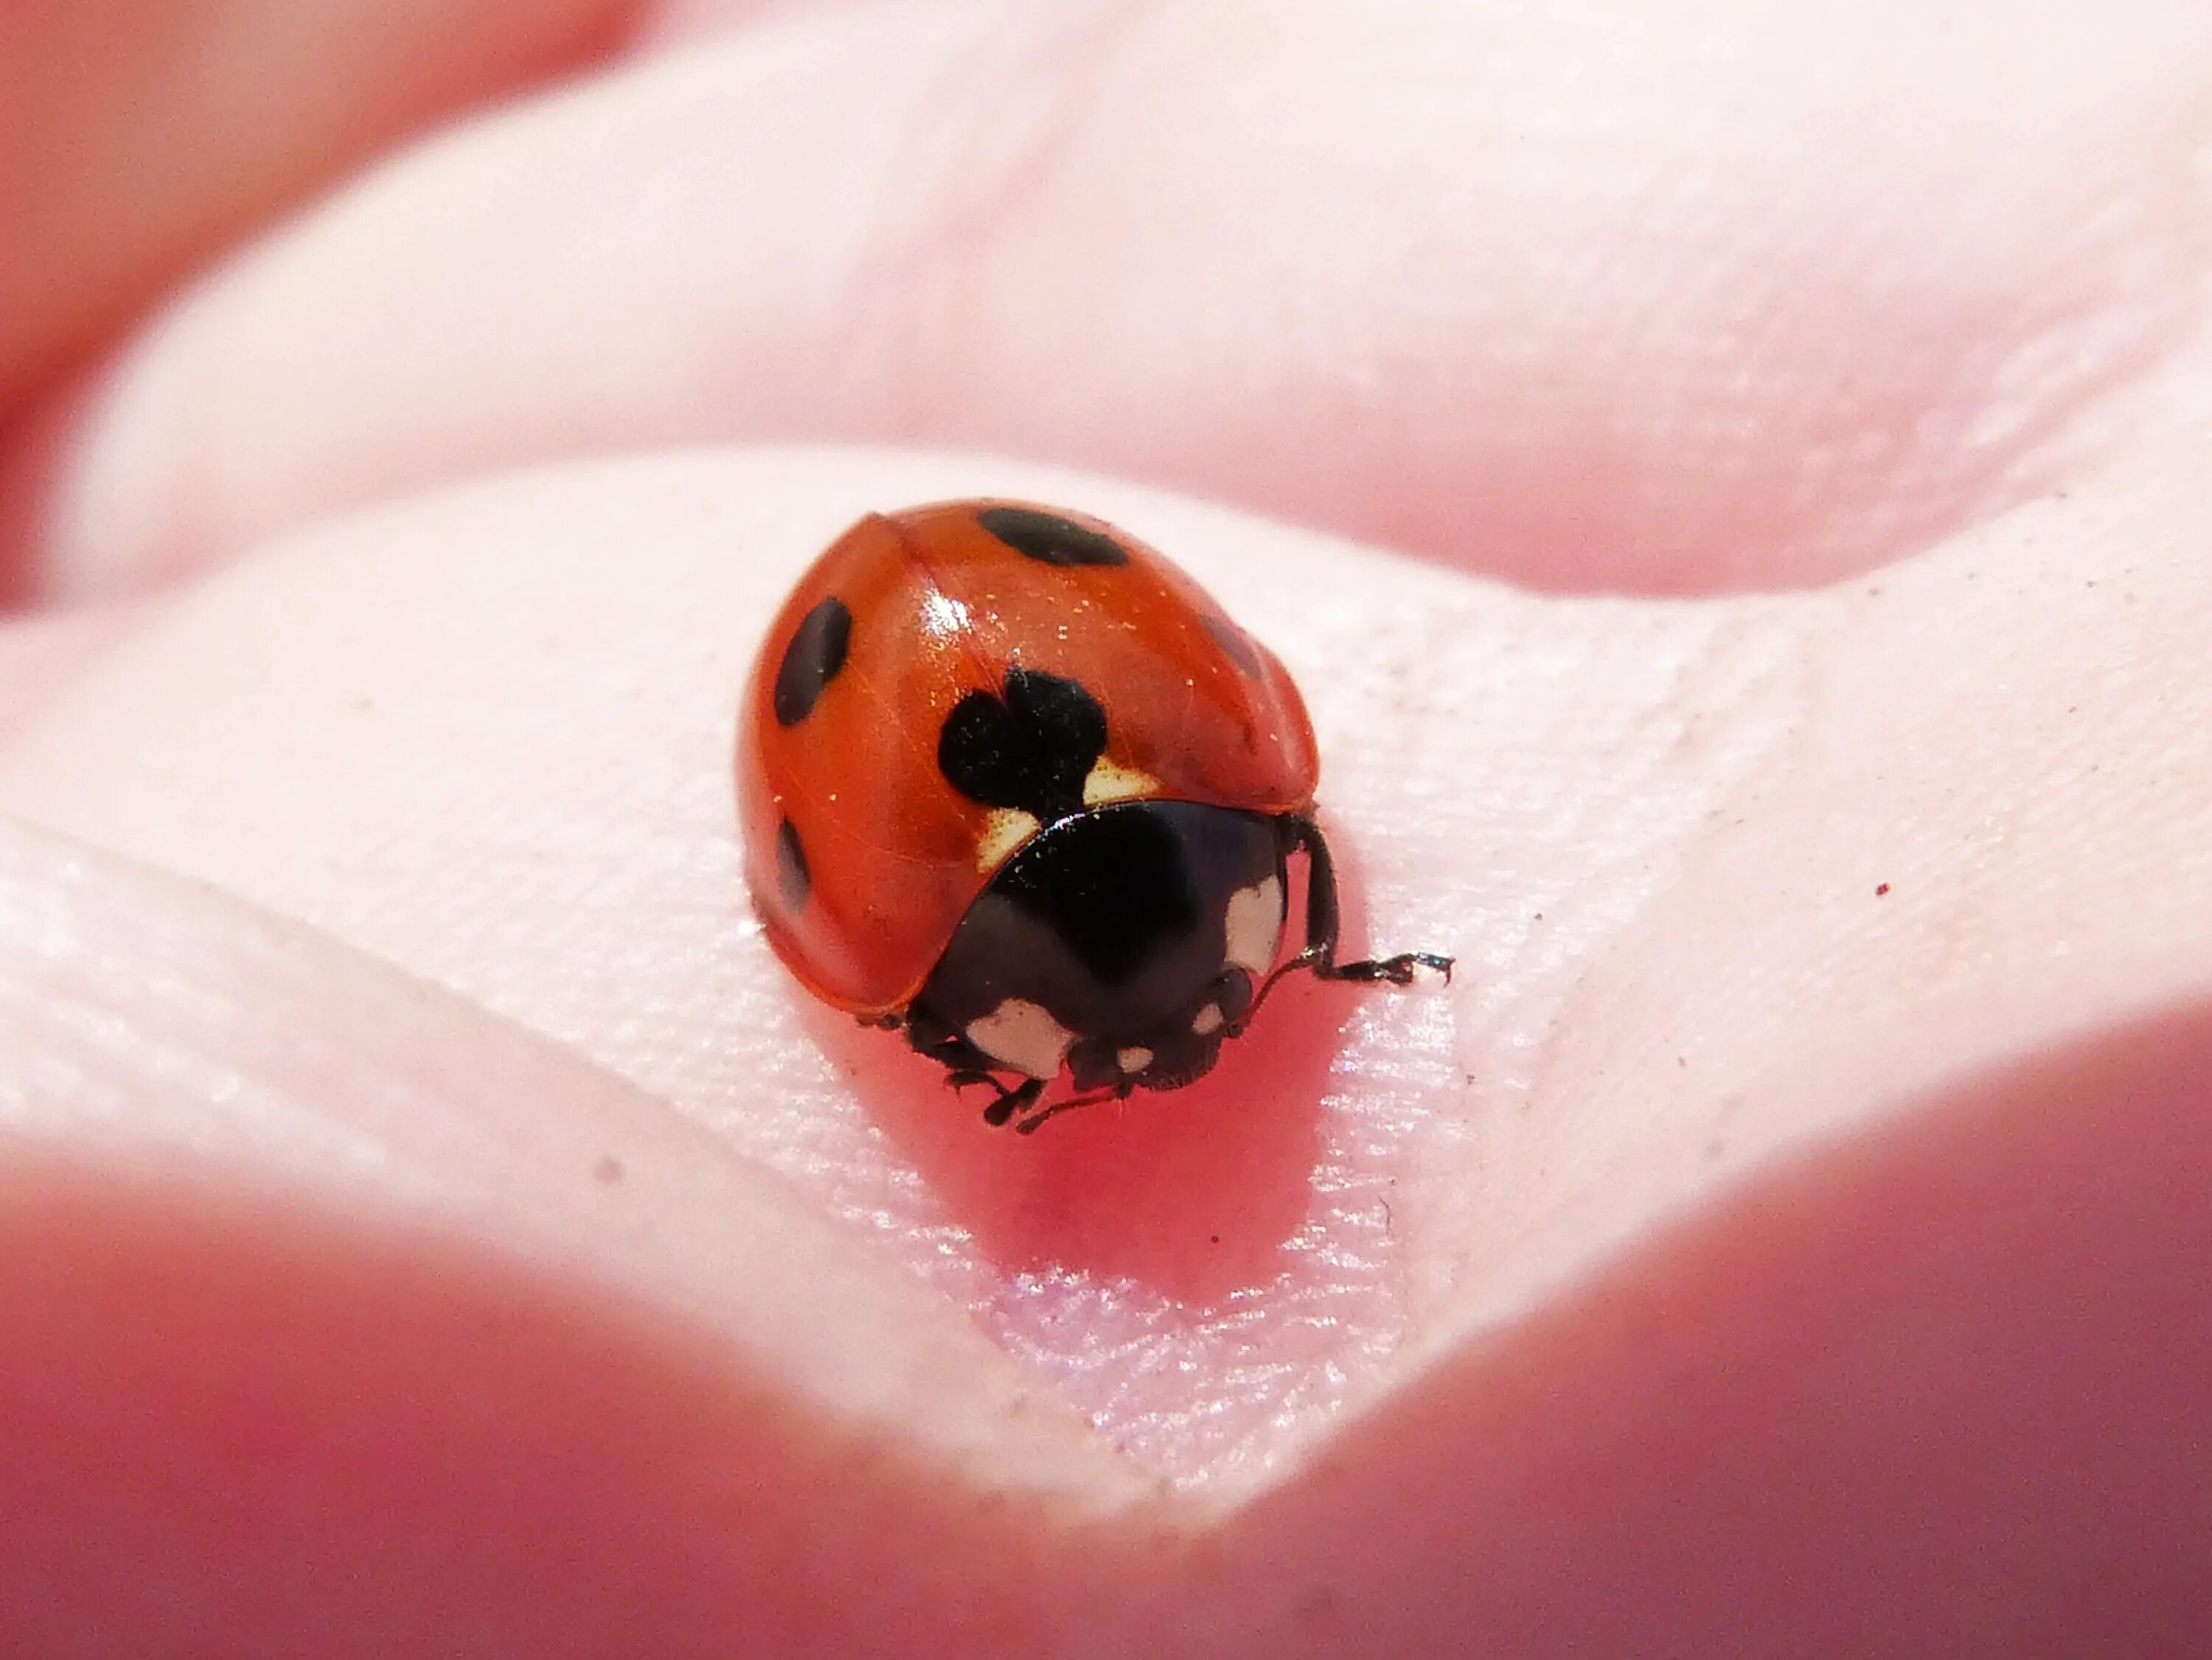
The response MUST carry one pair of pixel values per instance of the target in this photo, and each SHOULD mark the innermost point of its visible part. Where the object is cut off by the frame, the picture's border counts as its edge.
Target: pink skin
(429, 1219)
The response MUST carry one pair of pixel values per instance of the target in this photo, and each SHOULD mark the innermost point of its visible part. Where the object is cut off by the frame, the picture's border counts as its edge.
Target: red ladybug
(1012, 782)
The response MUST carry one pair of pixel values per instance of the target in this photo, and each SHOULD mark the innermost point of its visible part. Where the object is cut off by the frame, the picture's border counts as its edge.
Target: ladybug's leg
(1012, 1102)
(1009, 1102)
(1029, 1125)
(960, 1078)
(964, 1064)
(1318, 955)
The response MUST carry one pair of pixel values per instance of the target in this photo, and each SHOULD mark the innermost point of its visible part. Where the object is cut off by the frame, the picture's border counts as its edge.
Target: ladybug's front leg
(1010, 1101)
(1318, 955)
(964, 1064)
(1028, 1126)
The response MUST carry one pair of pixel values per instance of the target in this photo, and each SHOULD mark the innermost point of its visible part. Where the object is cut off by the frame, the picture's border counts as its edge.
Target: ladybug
(1012, 784)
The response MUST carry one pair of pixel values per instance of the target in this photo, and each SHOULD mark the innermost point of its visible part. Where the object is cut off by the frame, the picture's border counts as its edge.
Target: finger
(1920, 1061)
(314, 1279)
(510, 773)
(137, 136)
(487, 737)
(1575, 299)
(1942, 1390)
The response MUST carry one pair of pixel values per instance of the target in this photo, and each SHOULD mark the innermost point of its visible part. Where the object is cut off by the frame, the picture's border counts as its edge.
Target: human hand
(434, 1223)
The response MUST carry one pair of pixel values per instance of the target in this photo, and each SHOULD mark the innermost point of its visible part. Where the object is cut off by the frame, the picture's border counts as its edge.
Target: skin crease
(1782, 1238)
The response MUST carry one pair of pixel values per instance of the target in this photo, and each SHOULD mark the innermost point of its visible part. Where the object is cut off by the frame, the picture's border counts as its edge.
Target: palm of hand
(428, 1200)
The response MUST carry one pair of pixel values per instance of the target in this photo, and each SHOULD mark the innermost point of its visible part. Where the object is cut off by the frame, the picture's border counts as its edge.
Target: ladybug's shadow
(1194, 1192)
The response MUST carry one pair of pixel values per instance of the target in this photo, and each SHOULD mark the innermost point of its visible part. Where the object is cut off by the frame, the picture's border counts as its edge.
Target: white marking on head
(1108, 783)
(1135, 1058)
(1207, 1020)
(1006, 829)
(1254, 926)
(1023, 1035)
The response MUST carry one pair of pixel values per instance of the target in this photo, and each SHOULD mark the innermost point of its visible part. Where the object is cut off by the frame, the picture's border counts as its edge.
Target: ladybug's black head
(1123, 943)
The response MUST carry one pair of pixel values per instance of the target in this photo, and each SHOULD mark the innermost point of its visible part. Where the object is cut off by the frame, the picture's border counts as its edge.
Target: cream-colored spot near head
(1135, 1058)
(1023, 1035)
(1256, 926)
(1207, 1020)
(1108, 783)
(1006, 829)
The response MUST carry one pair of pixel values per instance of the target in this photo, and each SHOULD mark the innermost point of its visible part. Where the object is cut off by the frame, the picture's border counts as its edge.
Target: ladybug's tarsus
(1399, 970)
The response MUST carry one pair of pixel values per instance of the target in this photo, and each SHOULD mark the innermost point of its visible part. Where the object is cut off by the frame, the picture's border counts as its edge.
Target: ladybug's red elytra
(1011, 783)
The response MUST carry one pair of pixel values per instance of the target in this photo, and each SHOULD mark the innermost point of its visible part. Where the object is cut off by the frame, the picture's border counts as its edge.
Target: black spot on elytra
(1050, 539)
(1032, 749)
(812, 660)
(794, 881)
(1234, 641)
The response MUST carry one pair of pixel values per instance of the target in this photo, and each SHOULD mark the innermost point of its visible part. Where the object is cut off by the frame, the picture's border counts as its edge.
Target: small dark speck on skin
(1214, 1237)
(1881, 890)
(608, 1168)
(1539, 917)
(1683, 1061)
(1716, 1147)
